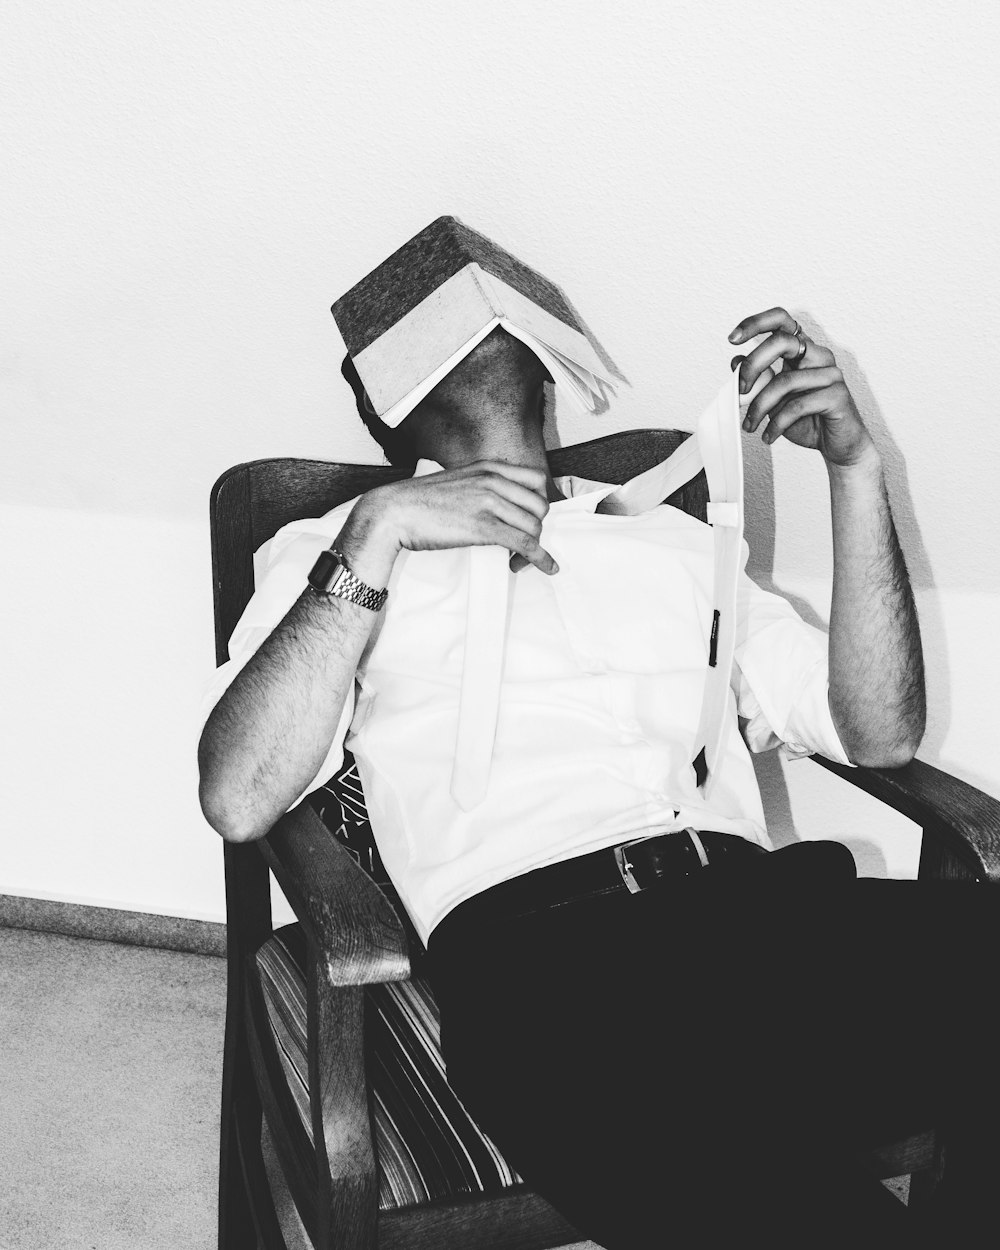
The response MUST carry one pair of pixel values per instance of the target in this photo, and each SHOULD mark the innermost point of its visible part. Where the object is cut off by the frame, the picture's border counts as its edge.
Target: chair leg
(248, 910)
(347, 1208)
(236, 1227)
(267, 1232)
(247, 1219)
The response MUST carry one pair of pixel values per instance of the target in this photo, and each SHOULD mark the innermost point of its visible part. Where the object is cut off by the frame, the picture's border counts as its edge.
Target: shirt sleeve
(781, 676)
(281, 567)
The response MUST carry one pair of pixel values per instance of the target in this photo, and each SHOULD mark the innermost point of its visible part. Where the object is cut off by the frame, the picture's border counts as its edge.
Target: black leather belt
(632, 867)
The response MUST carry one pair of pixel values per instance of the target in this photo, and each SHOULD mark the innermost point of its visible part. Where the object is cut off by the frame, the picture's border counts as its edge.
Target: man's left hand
(807, 401)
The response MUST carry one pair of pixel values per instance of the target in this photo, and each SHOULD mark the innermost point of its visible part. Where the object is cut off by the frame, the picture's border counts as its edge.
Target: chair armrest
(351, 925)
(965, 820)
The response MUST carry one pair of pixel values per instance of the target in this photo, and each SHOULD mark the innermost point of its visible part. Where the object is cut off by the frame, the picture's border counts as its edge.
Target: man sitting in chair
(672, 1035)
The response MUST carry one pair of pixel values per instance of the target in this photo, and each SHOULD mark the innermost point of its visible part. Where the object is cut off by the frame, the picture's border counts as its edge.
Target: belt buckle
(625, 866)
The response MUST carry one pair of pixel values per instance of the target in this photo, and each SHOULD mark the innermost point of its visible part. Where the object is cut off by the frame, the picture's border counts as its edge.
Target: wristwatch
(331, 576)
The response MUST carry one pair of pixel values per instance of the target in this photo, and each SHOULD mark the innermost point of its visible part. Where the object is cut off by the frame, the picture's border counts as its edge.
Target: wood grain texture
(964, 820)
(516, 1220)
(292, 1144)
(348, 920)
(347, 1198)
(938, 863)
(231, 516)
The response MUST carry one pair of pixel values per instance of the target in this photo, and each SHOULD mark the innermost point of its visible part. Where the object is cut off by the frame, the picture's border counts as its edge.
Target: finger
(817, 355)
(520, 543)
(770, 397)
(527, 550)
(518, 518)
(762, 323)
(762, 381)
(778, 346)
(533, 479)
(524, 497)
(757, 387)
(807, 404)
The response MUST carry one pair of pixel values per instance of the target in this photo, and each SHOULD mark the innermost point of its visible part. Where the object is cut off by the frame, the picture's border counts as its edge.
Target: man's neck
(512, 440)
(508, 451)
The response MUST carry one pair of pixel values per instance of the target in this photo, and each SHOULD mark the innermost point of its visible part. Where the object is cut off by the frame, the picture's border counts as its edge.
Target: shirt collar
(581, 494)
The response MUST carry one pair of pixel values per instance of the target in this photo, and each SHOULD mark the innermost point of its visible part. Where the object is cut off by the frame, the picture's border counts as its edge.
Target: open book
(411, 320)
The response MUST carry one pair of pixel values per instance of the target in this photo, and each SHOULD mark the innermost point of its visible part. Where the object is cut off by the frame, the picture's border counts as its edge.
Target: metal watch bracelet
(331, 575)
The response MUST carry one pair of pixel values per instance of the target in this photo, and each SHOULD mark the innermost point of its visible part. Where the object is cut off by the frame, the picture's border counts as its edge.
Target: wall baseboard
(109, 924)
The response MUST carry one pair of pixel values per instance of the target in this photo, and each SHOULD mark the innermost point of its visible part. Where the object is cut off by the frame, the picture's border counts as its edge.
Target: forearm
(876, 664)
(270, 732)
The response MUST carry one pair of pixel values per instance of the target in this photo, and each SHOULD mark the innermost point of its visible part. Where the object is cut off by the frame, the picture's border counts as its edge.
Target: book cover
(417, 314)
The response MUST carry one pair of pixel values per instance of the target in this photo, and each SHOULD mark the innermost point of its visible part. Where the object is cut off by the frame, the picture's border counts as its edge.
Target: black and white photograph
(500, 673)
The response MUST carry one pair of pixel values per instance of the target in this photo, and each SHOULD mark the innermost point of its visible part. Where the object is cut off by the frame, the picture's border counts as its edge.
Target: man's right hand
(486, 503)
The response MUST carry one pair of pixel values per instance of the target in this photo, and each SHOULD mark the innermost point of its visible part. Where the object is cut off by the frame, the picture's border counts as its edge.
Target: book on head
(410, 321)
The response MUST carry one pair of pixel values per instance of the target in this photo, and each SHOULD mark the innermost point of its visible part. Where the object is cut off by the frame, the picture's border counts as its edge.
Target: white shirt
(604, 667)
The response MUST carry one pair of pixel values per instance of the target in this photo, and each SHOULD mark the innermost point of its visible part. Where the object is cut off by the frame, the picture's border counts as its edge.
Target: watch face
(326, 572)
(331, 576)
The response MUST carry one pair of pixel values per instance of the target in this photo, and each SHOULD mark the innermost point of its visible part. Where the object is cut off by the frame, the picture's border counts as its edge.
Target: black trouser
(698, 1064)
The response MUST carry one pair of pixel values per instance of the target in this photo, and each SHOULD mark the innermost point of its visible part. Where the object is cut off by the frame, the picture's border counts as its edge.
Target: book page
(572, 344)
(579, 387)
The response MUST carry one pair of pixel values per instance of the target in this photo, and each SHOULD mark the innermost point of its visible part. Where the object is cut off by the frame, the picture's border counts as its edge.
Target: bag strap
(717, 447)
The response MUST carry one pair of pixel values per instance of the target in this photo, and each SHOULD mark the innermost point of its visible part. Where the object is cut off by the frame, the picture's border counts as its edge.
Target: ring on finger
(800, 334)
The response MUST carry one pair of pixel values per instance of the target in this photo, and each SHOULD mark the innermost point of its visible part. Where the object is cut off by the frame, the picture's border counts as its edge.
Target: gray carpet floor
(110, 1070)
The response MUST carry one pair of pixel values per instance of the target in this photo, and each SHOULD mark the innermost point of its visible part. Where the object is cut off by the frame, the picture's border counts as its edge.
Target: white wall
(188, 187)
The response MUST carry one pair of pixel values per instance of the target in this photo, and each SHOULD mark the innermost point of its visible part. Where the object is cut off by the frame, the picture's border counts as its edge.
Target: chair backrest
(252, 501)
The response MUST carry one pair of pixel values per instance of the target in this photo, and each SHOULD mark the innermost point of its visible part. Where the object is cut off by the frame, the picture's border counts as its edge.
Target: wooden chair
(355, 953)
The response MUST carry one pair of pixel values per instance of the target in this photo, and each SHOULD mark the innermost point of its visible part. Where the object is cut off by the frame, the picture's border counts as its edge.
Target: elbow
(224, 816)
(887, 741)
(911, 733)
(897, 756)
(896, 753)
(225, 808)
(905, 752)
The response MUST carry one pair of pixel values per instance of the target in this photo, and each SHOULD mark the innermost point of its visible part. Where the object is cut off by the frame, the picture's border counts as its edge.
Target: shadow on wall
(761, 510)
